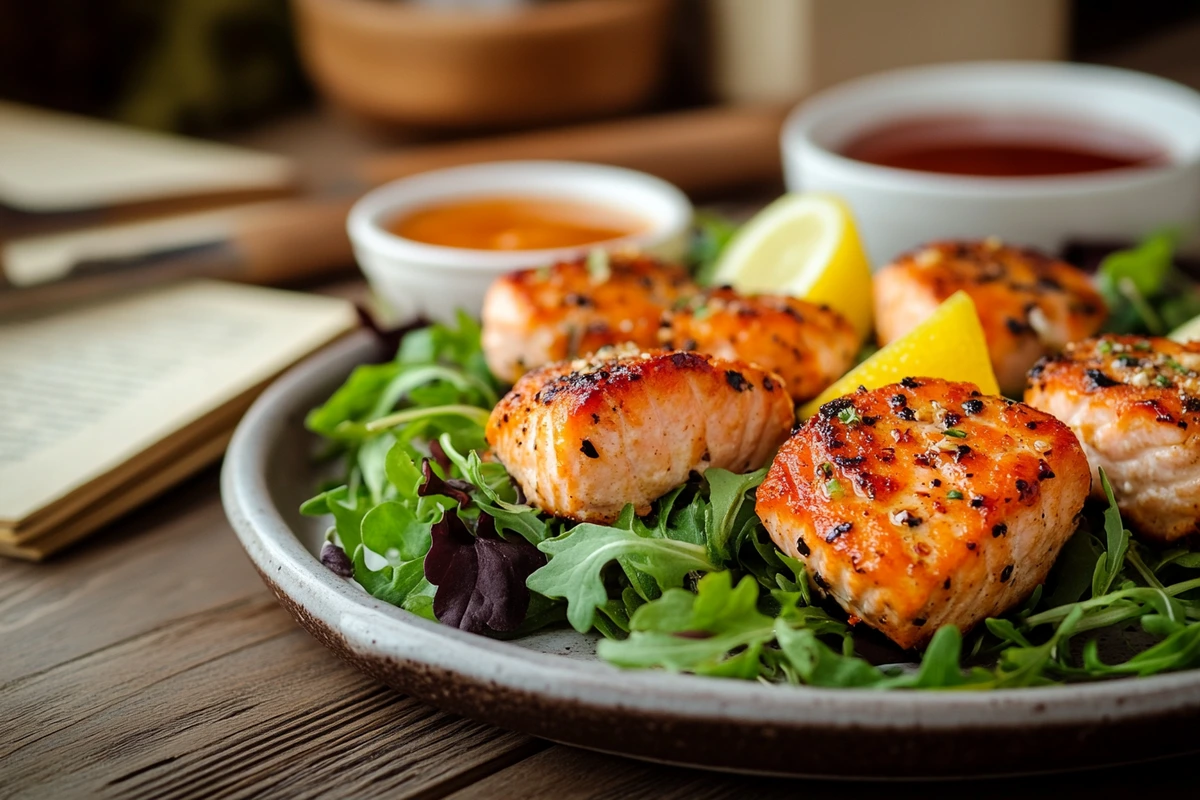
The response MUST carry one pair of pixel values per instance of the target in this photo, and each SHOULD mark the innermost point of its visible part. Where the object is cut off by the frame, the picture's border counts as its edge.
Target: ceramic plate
(551, 684)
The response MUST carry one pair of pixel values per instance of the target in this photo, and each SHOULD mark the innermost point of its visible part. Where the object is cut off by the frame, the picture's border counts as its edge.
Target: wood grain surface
(152, 662)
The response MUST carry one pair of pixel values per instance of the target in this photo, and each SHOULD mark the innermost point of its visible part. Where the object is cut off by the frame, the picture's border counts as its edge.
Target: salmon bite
(925, 503)
(536, 317)
(572, 309)
(583, 439)
(1134, 403)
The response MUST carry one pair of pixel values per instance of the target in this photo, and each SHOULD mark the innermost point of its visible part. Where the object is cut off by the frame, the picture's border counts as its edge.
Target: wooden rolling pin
(705, 153)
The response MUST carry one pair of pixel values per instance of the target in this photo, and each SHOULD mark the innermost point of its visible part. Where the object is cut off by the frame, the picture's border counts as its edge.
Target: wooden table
(150, 661)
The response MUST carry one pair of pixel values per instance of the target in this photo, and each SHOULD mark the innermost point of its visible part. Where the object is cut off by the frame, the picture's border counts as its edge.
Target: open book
(107, 405)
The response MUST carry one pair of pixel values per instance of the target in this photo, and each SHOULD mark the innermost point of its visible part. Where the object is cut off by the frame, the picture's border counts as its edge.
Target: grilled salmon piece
(809, 346)
(539, 316)
(1134, 403)
(585, 438)
(924, 503)
(1029, 304)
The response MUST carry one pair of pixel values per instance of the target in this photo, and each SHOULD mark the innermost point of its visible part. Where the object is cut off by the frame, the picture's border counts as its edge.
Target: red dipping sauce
(1002, 147)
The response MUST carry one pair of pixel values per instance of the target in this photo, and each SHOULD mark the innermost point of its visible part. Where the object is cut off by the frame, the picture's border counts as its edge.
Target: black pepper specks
(835, 407)
(1016, 327)
(1099, 380)
(1044, 471)
(589, 449)
(768, 384)
(737, 380)
(898, 401)
(911, 383)
(1006, 573)
(802, 546)
(972, 407)
(999, 529)
(837, 530)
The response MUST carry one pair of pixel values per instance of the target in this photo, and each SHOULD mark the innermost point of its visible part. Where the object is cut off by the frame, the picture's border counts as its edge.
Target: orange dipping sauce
(516, 223)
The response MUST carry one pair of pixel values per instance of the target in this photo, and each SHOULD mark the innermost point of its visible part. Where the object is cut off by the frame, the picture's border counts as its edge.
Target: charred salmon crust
(585, 438)
(1134, 403)
(924, 504)
(810, 346)
(536, 317)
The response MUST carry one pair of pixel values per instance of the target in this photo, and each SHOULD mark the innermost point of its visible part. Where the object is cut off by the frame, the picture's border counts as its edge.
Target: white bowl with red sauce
(432, 243)
(1037, 153)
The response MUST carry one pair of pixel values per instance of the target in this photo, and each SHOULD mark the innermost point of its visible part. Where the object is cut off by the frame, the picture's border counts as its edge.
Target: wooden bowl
(550, 62)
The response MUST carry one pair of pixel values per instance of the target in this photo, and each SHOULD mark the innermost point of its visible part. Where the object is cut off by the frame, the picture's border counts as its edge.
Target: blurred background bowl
(414, 65)
(898, 209)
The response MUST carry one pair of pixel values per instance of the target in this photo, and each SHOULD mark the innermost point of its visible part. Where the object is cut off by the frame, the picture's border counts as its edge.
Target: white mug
(899, 209)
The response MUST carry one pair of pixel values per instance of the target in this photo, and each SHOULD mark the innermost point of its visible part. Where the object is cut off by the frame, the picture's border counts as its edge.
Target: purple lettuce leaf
(453, 488)
(480, 579)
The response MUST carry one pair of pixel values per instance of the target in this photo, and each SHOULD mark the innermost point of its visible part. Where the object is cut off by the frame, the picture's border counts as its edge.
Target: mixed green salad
(424, 519)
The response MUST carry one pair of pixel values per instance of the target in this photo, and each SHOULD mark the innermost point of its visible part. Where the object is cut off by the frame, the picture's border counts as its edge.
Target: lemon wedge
(948, 344)
(804, 245)
(1187, 332)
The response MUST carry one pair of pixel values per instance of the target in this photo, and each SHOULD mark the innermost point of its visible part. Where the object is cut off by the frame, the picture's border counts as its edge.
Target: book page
(84, 392)
(62, 162)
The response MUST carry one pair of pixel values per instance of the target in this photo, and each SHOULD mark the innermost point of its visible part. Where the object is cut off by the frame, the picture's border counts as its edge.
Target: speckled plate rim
(415, 654)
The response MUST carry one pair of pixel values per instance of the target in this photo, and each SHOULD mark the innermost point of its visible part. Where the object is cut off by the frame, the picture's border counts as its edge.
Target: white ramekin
(422, 280)
(899, 209)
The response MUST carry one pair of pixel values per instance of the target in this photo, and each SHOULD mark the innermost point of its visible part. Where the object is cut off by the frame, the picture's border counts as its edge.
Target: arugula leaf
(721, 630)
(697, 632)
(1074, 569)
(352, 400)
(578, 557)
(1109, 567)
(713, 234)
(1144, 291)
(727, 496)
(1023, 665)
(817, 664)
(1145, 266)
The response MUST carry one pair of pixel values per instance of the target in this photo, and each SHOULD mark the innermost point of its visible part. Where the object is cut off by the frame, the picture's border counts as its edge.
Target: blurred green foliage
(184, 65)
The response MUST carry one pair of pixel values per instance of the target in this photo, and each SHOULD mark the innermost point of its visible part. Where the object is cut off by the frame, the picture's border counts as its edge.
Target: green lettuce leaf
(578, 557)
